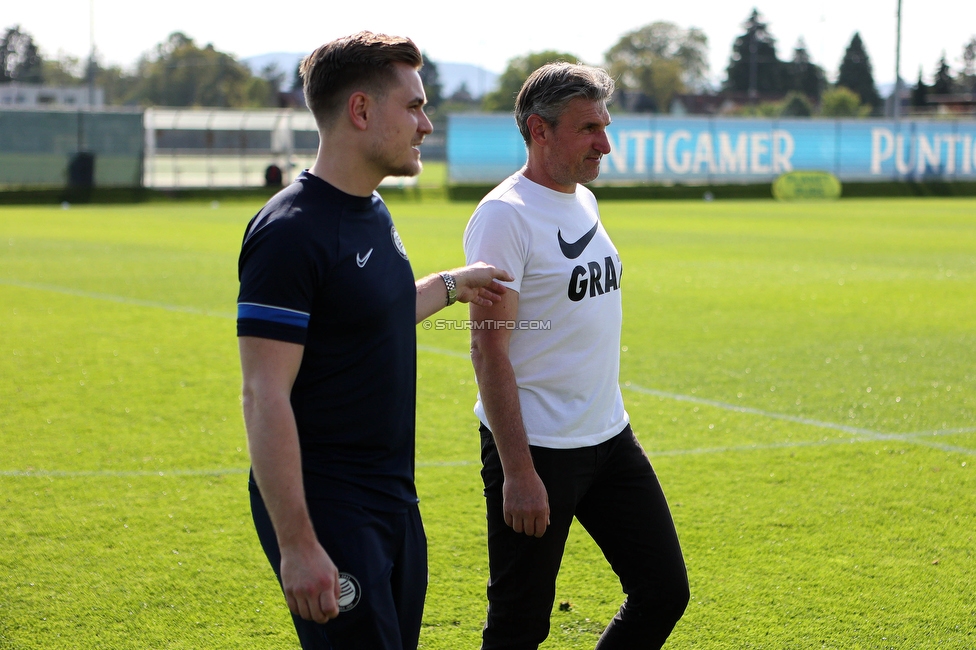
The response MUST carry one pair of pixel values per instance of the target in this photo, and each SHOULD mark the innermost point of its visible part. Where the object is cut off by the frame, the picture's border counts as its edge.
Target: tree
(969, 57)
(660, 60)
(920, 93)
(662, 83)
(753, 66)
(460, 101)
(65, 70)
(462, 94)
(274, 76)
(761, 109)
(943, 78)
(843, 102)
(855, 73)
(19, 58)
(117, 84)
(432, 83)
(518, 70)
(69, 71)
(796, 104)
(296, 80)
(966, 81)
(804, 75)
(178, 73)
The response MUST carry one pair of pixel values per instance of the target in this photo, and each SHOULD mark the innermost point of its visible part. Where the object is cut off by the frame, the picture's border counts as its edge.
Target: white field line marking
(79, 293)
(910, 437)
(43, 473)
(860, 434)
(113, 298)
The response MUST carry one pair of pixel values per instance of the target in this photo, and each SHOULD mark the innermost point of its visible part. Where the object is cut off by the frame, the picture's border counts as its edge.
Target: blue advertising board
(485, 148)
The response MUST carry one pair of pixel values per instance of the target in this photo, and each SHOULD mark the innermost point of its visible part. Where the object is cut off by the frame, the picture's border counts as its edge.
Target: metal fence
(156, 147)
(190, 148)
(41, 148)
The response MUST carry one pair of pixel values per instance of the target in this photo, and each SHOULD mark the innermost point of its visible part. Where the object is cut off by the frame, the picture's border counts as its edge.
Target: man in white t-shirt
(556, 440)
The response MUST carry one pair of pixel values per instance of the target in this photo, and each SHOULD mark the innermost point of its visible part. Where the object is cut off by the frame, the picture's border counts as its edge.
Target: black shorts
(386, 553)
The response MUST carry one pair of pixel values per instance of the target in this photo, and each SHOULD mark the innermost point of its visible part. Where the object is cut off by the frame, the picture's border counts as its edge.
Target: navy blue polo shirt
(327, 270)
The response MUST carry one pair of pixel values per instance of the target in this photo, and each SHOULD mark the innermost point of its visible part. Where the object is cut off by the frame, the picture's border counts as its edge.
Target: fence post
(149, 147)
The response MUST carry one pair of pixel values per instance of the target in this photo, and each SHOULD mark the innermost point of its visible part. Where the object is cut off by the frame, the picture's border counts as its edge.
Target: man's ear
(538, 129)
(359, 108)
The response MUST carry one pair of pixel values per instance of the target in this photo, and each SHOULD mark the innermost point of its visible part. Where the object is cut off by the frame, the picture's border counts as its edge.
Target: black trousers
(386, 554)
(613, 492)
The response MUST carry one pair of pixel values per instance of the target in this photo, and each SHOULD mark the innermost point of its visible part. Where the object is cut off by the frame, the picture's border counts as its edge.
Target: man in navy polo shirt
(326, 323)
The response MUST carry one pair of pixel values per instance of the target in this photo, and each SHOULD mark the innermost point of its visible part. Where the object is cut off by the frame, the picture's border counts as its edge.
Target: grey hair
(549, 89)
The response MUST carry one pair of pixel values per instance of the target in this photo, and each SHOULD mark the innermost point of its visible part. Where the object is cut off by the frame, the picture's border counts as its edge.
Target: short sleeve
(496, 235)
(278, 277)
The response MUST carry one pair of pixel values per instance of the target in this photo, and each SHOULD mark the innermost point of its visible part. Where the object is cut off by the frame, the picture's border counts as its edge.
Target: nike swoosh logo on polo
(575, 249)
(361, 261)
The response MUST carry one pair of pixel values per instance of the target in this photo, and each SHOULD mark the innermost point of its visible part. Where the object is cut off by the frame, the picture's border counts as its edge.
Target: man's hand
(311, 583)
(526, 504)
(477, 283)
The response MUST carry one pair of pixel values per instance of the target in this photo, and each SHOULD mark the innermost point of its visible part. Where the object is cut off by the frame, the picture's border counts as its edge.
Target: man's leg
(362, 544)
(522, 569)
(626, 513)
(409, 580)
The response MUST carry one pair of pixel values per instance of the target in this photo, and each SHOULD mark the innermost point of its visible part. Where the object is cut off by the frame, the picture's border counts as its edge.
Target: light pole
(897, 99)
(754, 69)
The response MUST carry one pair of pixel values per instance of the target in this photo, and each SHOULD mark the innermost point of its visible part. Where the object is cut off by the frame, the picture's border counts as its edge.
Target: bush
(842, 102)
(796, 105)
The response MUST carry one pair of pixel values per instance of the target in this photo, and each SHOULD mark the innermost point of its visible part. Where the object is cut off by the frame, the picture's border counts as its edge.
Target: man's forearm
(525, 502)
(499, 396)
(309, 579)
(431, 295)
(276, 461)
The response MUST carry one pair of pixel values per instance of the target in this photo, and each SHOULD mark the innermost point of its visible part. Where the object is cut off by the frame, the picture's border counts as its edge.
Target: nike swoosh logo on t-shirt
(575, 249)
(361, 261)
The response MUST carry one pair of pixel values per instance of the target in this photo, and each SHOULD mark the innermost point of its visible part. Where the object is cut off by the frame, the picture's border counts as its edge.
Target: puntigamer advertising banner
(647, 149)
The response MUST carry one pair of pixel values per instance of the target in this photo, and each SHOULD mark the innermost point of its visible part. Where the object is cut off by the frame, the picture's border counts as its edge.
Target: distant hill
(452, 75)
(478, 80)
(886, 89)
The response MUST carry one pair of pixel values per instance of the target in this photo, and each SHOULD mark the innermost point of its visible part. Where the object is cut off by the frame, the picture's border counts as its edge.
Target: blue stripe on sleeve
(273, 314)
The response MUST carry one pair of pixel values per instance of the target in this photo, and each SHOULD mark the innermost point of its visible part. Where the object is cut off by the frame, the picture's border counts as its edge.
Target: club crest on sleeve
(349, 592)
(398, 243)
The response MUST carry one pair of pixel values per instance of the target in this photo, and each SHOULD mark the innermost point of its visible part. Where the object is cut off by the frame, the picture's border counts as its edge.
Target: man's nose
(425, 126)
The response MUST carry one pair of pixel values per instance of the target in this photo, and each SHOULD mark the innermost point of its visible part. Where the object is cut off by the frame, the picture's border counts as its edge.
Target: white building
(17, 95)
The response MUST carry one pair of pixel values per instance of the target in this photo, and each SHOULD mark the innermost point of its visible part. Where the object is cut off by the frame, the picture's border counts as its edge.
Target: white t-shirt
(565, 345)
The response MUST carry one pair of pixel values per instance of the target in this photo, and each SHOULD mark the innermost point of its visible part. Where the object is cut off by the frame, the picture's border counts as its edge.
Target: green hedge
(42, 196)
(759, 191)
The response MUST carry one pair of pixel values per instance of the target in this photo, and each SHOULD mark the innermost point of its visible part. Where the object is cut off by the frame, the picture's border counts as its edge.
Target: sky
(449, 32)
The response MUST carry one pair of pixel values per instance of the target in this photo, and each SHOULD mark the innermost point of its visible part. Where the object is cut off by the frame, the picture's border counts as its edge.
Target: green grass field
(802, 375)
